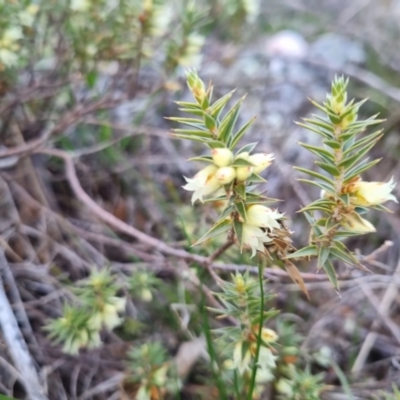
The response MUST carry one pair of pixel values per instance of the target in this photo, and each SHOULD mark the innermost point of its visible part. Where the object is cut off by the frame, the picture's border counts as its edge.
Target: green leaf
(308, 251)
(226, 212)
(241, 209)
(228, 123)
(189, 137)
(256, 178)
(324, 134)
(322, 204)
(345, 198)
(240, 189)
(328, 188)
(331, 273)
(241, 162)
(322, 123)
(193, 111)
(336, 119)
(186, 104)
(333, 144)
(238, 226)
(209, 122)
(314, 174)
(323, 255)
(319, 151)
(339, 251)
(192, 132)
(317, 231)
(373, 137)
(247, 149)
(216, 144)
(220, 104)
(217, 229)
(329, 168)
(193, 122)
(357, 170)
(202, 158)
(234, 140)
(350, 161)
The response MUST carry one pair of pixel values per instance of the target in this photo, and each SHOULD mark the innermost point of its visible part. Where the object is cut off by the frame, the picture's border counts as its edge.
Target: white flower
(371, 193)
(260, 161)
(222, 157)
(263, 216)
(203, 183)
(254, 237)
(241, 361)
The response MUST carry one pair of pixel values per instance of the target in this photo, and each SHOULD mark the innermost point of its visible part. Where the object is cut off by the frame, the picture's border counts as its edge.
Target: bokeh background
(96, 80)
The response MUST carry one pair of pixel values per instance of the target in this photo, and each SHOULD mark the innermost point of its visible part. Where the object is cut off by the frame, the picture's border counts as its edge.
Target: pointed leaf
(314, 174)
(220, 104)
(238, 226)
(333, 144)
(247, 149)
(309, 251)
(217, 229)
(202, 158)
(239, 134)
(318, 151)
(228, 123)
(355, 171)
(240, 189)
(329, 168)
(323, 255)
(331, 273)
(241, 209)
(322, 185)
(196, 133)
(316, 130)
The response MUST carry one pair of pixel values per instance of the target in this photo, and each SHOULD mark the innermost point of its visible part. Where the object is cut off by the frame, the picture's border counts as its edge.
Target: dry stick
(121, 226)
(17, 346)
(383, 309)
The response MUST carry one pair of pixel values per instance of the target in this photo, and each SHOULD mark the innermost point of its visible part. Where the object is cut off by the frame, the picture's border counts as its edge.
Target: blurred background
(85, 89)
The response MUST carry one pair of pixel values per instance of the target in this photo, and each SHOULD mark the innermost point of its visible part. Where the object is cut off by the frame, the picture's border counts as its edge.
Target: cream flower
(354, 223)
(225, 175)
(254, 237)
(371, 193)
(241, 361)
(261, 161)
(108, 315)
(222, 157)
(263, 216)
(243, 173)
(203, 183)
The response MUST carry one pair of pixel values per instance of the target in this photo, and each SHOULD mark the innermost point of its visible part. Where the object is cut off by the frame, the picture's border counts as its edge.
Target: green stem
(259, 340)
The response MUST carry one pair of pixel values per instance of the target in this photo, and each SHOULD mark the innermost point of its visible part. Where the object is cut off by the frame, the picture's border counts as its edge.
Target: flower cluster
(231, 176)
(212, 179)
(99, 307)
(345, 196)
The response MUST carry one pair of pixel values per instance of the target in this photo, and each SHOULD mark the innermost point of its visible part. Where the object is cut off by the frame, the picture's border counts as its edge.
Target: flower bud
(268, 335)
(261, 161)
(225, 175)
(222, 157)
(354, 223)
(243, 173)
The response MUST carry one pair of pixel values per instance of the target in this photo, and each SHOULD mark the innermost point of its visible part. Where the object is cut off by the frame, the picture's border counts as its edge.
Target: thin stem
(259, 340)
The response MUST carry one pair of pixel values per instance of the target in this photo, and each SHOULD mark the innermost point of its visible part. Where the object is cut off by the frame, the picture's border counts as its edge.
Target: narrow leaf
(314, 174)
(247, 149)
(217, 229)
(309, 251)
(241, 209)
(323, 254)
(220, 104)
(357, 170)
(318, 151)
(238, 226)
(331, 273)
(329, 168)
(239, 134)
(333, 144)
(228, 123)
